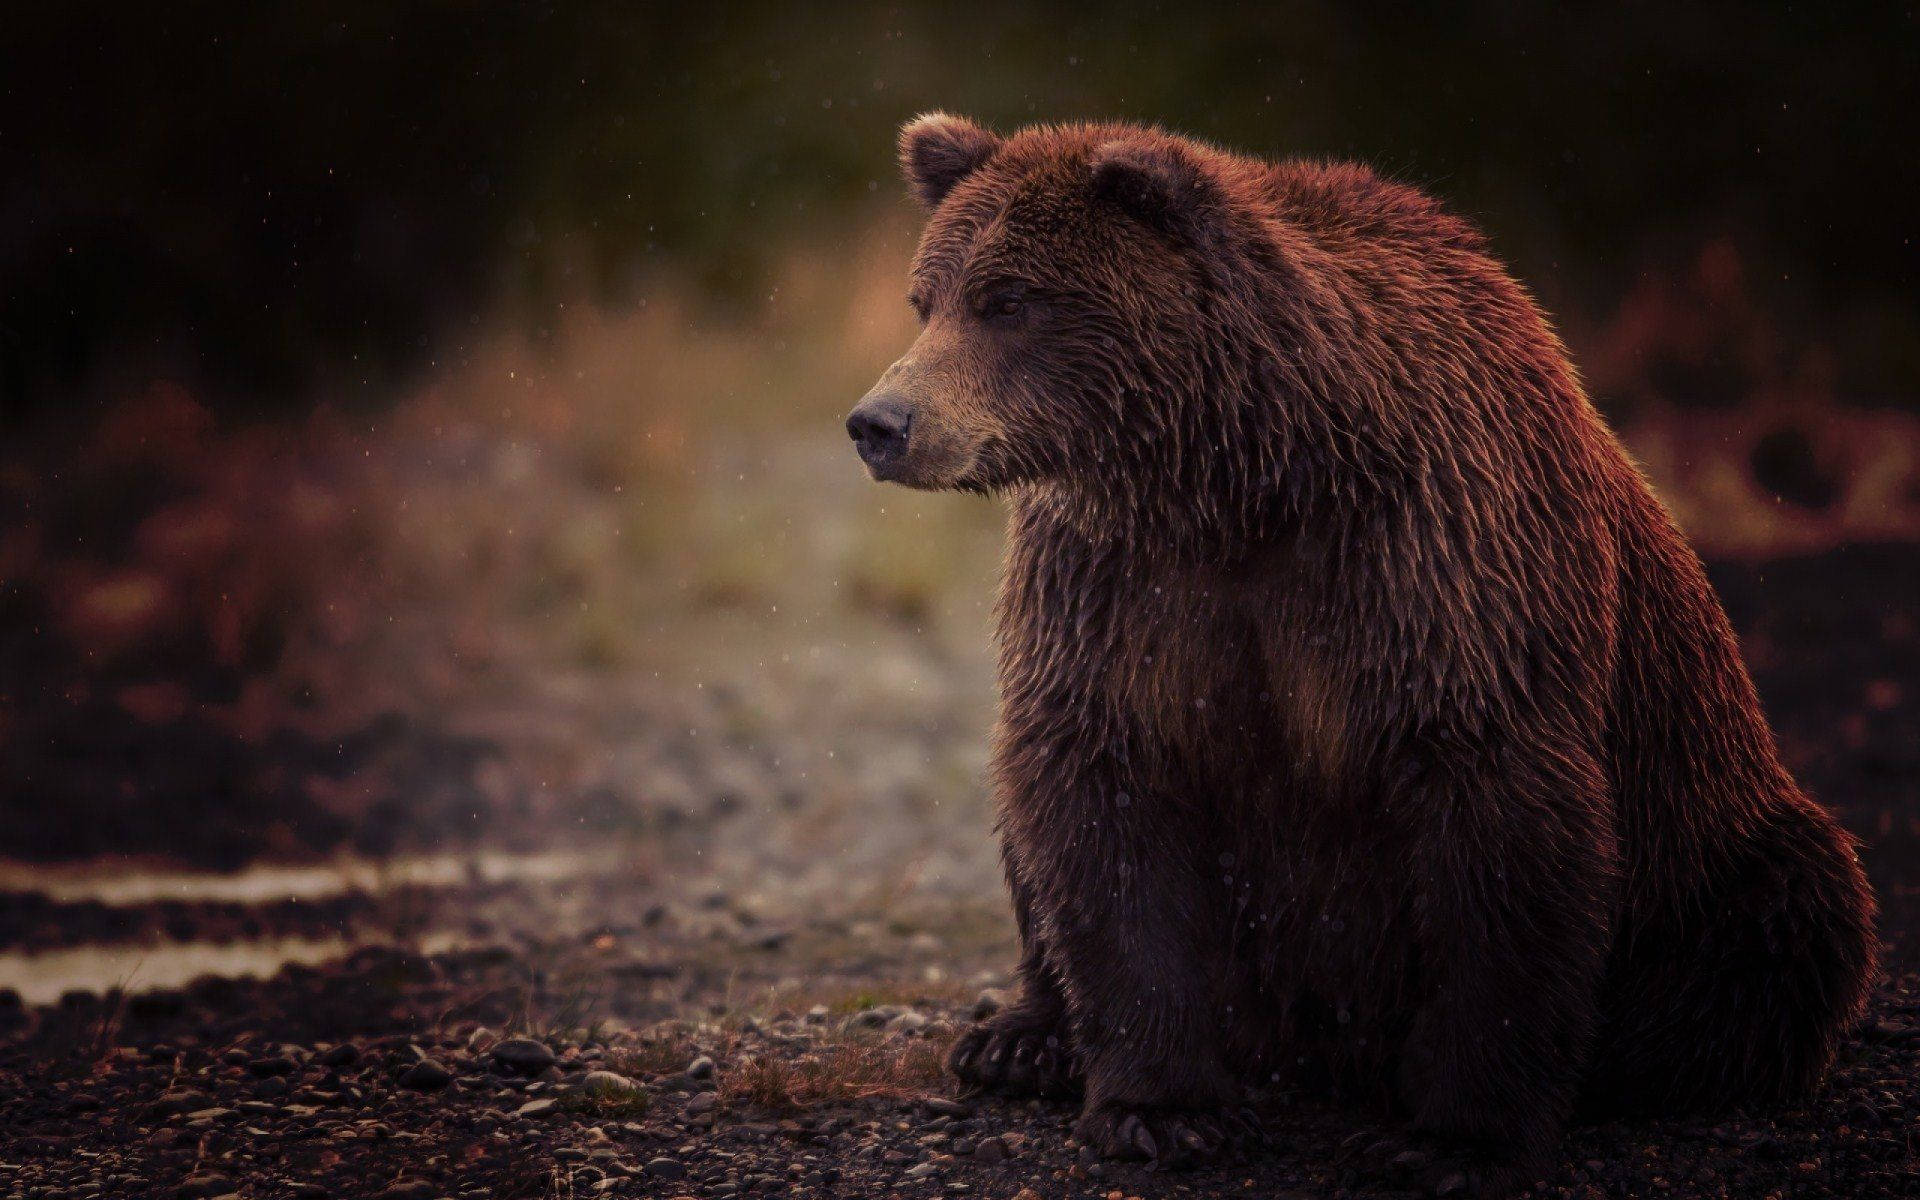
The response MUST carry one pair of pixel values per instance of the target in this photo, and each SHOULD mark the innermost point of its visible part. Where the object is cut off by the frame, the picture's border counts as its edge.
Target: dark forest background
(270, 199)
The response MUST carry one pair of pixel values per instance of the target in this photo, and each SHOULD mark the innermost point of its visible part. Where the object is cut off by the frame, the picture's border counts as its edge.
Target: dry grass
(654, 1056)
(836, 1073)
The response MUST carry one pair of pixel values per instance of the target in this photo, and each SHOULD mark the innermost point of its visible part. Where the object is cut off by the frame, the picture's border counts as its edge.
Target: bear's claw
(1166, 1138)
(1015, 1053)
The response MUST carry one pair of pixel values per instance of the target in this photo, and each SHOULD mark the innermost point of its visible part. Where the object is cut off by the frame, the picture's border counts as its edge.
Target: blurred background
(424, 510)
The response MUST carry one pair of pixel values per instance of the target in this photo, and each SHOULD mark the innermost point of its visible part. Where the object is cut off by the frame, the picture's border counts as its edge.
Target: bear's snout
(879, 427)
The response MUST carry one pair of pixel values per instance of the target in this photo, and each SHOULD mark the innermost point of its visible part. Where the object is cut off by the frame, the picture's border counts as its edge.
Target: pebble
(941, 1106)
(207, 1183)
(873, 1018)
(700, 1068)
(606, 1084)
(907, 1022)
(534, 1110)
(666, 1168)
(426, 1076)
(523, 1055)
(921, 1171)
(343, 1055)
(990, 1150)
(702, 1102)
(275, 1064)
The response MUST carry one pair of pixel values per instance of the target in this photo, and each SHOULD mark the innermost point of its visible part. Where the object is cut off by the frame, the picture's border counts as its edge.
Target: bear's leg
(1026, 1048)
(1515, 871)
(1126, 894)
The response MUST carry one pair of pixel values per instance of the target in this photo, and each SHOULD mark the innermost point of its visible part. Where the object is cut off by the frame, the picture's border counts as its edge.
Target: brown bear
(1365, 719)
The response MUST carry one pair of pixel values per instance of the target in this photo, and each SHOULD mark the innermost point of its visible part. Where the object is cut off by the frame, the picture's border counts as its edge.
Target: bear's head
(1085, 307)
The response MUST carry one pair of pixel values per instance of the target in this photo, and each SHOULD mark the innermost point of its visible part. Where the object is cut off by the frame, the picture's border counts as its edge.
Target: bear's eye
(1003, 304)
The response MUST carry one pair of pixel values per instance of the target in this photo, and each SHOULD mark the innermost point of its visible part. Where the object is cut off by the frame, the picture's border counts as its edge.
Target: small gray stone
(606, 1085)
(907, 1022)
(922, 1170)
(702, 1102)
(941, 1106)
(343, 1055)
(873, 1018)
(523, 1055)
(534, 1110)
(700, 1068)
(204, 1183)
(990, 1150)
(666, 1168)
(426, 1076)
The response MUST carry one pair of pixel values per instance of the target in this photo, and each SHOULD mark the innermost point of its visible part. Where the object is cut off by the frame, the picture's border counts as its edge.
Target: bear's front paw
(1019, 1052)
(1434, 1165)
(1166, 1137)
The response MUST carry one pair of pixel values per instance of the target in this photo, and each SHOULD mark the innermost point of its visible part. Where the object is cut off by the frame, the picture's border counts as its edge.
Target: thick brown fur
(1365, 719)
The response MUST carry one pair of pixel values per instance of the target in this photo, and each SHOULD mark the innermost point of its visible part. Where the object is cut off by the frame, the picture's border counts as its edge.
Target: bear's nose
(879, 428)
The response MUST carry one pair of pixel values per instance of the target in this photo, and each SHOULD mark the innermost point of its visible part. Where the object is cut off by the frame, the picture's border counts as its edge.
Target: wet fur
(1365, 719)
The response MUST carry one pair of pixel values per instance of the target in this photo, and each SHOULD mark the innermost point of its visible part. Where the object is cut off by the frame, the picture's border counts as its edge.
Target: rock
(523, 1055)
(272, 1085)
(873, 1018)
(990, 1001)
(818, 1014)
(607, 1085)
(273, 1064)
(700, 1068)
(176, 1100)
(666, 1168)
(941, 1106)
(990, 1150)
(481, 1039)
(426, 1076)
(204, 1183)
(702, 1102)
(907, 1022)
(921, 1171)
(343, 1055)
(535, 1110)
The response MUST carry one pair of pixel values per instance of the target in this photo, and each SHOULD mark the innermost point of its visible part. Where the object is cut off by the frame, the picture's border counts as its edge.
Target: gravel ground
(751, 998)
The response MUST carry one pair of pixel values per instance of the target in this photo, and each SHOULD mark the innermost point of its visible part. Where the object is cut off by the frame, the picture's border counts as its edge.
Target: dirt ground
(739, 980)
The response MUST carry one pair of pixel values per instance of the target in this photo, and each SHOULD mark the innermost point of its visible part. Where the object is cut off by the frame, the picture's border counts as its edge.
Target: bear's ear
(938, 151)
(1157, 184)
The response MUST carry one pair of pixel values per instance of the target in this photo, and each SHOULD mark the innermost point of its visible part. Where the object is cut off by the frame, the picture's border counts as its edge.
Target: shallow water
(41, 977)
(123, 881)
